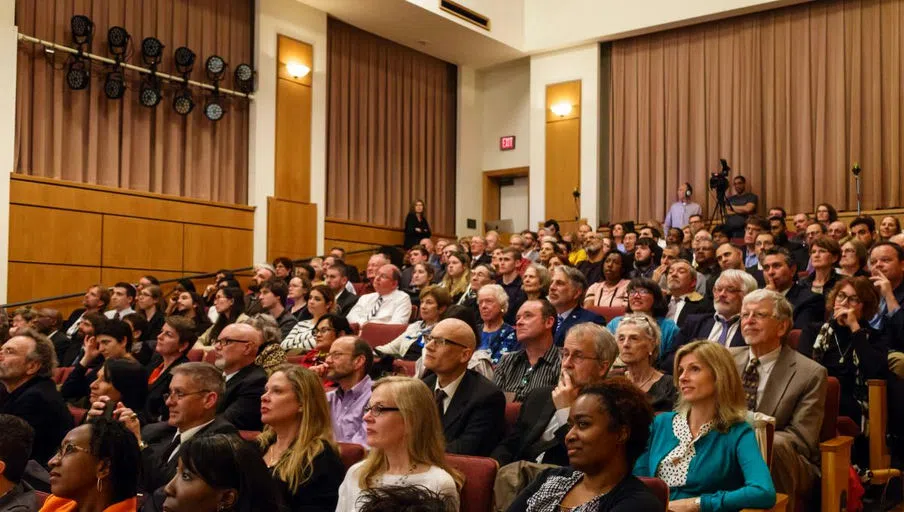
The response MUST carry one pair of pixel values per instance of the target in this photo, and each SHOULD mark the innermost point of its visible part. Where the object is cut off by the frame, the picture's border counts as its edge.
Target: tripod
(719, 209)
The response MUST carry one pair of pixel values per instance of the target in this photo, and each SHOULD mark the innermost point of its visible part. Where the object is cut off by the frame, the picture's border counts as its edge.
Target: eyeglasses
(640, 292)
(179, 395)
(227, 341)
(440, 342)
(324, 330)
(564, 354)
(378, 410)
(69, 449)
(842, 297)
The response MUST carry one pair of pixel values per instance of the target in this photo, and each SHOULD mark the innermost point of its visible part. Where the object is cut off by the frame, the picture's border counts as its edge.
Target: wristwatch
(697, 503)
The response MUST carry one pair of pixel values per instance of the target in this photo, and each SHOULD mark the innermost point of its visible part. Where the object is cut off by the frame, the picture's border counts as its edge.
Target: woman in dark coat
(416, 226)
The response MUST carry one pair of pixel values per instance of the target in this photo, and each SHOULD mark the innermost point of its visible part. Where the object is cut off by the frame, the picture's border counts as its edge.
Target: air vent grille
(466, 14)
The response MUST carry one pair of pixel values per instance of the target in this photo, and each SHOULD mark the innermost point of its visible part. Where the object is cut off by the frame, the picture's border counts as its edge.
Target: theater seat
(40, 498)
(61, 374)
(78, 414)
(249, 435)
(659, 488)
(294, 359)
(480, 475)
(376, 334)
(607, 312)
(210, 357)
(512, 410)
(351, 454)
(359, 288)
(407, 368)
(195, 355)
(413, 317)
(794, 338)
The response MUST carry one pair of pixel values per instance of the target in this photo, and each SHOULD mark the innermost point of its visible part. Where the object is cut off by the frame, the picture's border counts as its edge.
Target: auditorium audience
(94, 470)
(410, 344)
(16, 494)
(742, 204)
(612, 290)
(705, 451)
(645, 259)
(481, 275)
(337, 278)
(95, 301)
(824, 256)
(609, 426)
(637, 337)
(90, 322)
(535, 282)
(537, 363)
(374, 264)
(173, 343)
(837, 231)
(497, 337)
(387, 304)
(348, 365)
(645, 296)
(752, 229)
(539, 433)
(122, 298)
(122, 381)
(566, 292)
(707, 267)
(272, 296)
(49, 323)
(236, 351)
(479, 253)
(22, 318)
(422, 275)
(406, 440)
(781, 272)
(730, 257)
(220, 472)
(548, 249)
(270, 354)
(297, 442)
(780, 382)
(416, 225)
(284, 268)
(854, 259)
(889, 226)
(300, 338)
(471, 408)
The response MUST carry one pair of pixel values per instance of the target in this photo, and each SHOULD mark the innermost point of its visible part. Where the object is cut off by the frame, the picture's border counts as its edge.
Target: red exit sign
(507, 143)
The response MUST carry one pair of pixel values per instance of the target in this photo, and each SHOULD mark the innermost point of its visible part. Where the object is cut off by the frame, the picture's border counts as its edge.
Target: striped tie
(751, 381)
(376, 308)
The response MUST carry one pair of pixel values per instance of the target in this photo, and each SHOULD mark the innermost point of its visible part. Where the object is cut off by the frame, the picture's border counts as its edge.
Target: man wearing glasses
(236, 350)
(472, 408)
(348, 365)
(387, 304)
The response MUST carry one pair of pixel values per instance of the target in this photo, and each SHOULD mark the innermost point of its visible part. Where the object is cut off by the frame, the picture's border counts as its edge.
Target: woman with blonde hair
(705, 450)
(458, 276)
(638, 348)
(407, 445)
(297, 442)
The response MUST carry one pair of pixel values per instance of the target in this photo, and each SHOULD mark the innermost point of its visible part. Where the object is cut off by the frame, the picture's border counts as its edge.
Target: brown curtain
(792, 98)
(390, 131)
(83, 136)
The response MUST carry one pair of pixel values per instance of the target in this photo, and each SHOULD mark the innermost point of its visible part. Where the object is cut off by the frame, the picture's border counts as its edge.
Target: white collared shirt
(716, 332)
(188, 434)
(396, 309)
(122, 313)
(450, 389)
(767, 363)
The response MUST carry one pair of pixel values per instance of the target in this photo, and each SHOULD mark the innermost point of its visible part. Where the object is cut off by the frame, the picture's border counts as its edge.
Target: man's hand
(92, 351)
(685, 505)
(565, 393)
(122, 413)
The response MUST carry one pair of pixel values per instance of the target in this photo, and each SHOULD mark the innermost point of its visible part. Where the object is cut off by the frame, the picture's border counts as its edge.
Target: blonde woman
(407, 444)
(638, 348)
(705, 451)
(458, 275)
(297, 442)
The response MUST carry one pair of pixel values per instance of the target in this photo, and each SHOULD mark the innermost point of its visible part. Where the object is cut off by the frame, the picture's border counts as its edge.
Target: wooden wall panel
(208, 249)
(108, 276)
(32, 280)
(336, 229)
(142, 243)
(563, 167)
(291, 229)
(293, 141)
(44, 235)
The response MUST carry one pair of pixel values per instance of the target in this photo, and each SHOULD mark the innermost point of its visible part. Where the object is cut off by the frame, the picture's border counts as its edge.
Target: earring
(100, 485)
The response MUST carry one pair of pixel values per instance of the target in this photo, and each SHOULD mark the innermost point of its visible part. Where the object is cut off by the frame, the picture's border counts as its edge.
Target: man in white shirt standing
(122, 296)
(681, 210)
(387, 304)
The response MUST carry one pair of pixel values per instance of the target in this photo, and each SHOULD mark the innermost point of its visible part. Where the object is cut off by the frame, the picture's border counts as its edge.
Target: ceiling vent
(466, 14)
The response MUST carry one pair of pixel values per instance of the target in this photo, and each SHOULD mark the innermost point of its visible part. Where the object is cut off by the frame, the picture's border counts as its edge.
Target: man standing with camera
(741, 205)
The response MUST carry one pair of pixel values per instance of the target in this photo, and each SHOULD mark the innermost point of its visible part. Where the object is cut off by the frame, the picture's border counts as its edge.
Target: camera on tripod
(718, 181)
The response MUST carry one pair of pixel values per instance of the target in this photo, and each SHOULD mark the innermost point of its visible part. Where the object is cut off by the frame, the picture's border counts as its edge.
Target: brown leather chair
(401, 367)
(376, 334)
(480, 475)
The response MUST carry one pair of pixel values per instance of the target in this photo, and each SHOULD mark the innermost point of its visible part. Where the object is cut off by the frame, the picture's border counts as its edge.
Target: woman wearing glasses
(299, 288)
(300, 339)
(407, 444)
(95, 470)
(638, 348)
(645, 296)
(297, 442)
(854, 257)
(230, 305)
(410, 344)
(150, 305)
(846, 345)
(326, 330)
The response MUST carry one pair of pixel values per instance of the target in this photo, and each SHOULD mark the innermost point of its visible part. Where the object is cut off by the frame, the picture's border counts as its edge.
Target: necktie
(440, 396)
(172, 448)
(878, 320)
(723, 337)
(116, 316)
(673, 307)
(376, 308)
(751, 381)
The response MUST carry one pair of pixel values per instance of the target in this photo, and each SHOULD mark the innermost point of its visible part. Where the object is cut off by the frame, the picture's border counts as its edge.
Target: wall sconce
(561, 109)
(297, 69)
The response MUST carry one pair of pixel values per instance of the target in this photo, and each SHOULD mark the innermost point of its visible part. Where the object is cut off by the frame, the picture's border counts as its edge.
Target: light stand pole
(856, 171)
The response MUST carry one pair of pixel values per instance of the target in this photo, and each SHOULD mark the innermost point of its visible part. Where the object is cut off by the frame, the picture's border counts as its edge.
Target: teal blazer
(727, 473)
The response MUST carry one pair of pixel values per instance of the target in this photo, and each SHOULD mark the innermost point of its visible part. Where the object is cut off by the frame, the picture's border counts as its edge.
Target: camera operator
(741, 205)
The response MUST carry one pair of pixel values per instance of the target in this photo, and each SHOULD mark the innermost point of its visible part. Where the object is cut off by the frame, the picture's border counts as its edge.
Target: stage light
(244, 78)
(114, 85)
(150, 94)
(77, 75)
(183, 103)
(213, 109)
(185, 60)
(82, 29)
(118, 41)
(151, 51)
(215, 67)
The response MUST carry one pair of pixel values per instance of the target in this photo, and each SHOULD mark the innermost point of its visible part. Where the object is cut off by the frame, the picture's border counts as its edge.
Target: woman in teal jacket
(705, 451)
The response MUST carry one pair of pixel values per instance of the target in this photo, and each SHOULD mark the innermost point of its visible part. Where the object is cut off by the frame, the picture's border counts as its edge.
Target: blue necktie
(724, 335)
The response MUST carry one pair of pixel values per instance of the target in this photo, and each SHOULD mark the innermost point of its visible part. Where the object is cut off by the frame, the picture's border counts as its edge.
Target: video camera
(718, 181)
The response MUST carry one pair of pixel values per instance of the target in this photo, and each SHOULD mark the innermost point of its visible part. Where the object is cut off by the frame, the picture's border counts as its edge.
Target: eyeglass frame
(440, 341)
(843, 298)
(225, 342)
(377, 410)
(68, 449)
(179, 395)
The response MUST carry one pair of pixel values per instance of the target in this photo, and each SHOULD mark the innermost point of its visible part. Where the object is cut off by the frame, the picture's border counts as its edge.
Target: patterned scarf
(824, 340)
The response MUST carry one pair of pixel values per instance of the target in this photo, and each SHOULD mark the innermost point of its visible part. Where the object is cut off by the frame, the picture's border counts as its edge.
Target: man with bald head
(471, 407)
(387, 304)
(236, 349)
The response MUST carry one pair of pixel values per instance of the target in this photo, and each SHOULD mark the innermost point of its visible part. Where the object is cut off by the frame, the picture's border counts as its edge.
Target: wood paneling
(293, 141)
(336, 229)
(563, 168)
(142, 243)
(44, 235)
(31, 280)
(109, 276)
(208, 249)
(291, 229)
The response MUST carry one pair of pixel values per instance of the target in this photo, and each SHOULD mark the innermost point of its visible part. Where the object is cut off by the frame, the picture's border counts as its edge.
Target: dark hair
(897, 248)
(362, 348)
(552, 223)
(399, 498)
(822, 227)
(660, 306)
(741, 178)
(784, 214)
(781, 251)
(286, 262)
(103, 295)
(413, 205)
(866, 292)
(185, 328)
(15, 446)
(112, 441)
(340, 267)
(225, 461)
(721, 228)
(833, 214)
(277, 287)
(625, 261)
(154, 281)
(338, 322)
(863, 219)
(129, 287)
(138, 322)
(627, 407)
(130, 379)
(421, 249)
(229, 283)
(828, 244)
(337, 248)
(237, 308)
(118, 330)
(328, 296)
(309, 269)
(465, 314)
(197, 306)
(756, 220)
(97, 320)
(187, 284)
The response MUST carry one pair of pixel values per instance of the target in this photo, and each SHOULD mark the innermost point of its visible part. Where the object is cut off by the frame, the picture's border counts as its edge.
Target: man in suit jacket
(566, 292)
(723, 326)
(478, 254)
(789, 387)
(27, 361)
(236, 350)
(48, 323)
(779, 267)
(336, 277)
(539, 434)
(684, 298)
(471, 407)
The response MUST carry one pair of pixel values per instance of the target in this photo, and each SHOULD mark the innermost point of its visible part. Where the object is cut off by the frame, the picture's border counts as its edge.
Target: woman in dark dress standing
(416, 226)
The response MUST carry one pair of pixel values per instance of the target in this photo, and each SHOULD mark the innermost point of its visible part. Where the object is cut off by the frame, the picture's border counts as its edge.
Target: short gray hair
(499, 292)
(603, 340)
(691, 270)
(267, 326)
(781, 308)
(207, 376)
(265, 266)
(574, 275)
(649, 326)
(44, 353)
(747, 281)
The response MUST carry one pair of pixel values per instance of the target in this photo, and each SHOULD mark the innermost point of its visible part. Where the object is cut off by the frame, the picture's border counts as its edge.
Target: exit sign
(507, 143)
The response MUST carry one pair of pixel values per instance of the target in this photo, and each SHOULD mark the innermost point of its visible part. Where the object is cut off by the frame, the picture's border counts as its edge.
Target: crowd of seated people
(588, 332)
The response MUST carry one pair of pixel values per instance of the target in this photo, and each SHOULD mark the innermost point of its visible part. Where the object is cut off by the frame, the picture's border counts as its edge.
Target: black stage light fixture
(244, 78)
(183, 102)
(151, 51)
(115, 85)
(185, 60)
(150, 94)
(215, 67)
(118, 41)
(213, 108)
(82, 29)
(77, 75)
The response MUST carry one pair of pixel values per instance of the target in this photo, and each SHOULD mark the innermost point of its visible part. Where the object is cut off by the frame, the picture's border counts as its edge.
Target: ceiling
(415, 27)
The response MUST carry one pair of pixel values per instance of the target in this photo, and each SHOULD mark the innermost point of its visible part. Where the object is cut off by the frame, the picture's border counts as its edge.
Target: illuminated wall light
(297, 69)
(561, 109)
